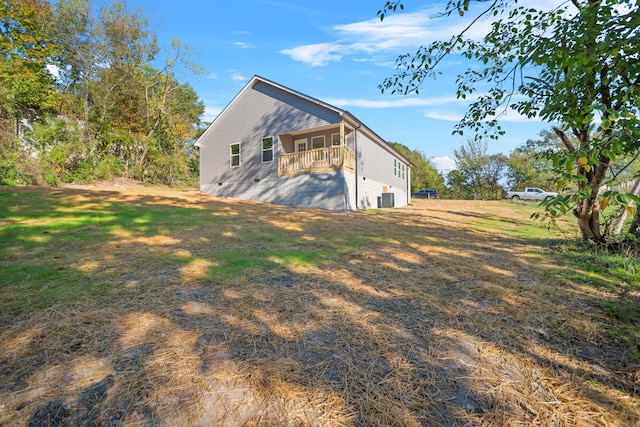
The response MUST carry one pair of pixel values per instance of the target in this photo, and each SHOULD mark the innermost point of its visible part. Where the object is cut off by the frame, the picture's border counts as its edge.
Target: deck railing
(318, 160)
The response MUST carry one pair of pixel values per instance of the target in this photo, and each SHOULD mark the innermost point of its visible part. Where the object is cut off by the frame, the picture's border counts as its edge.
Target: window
(267, 149)
(395, 167)
(235, 155)
(403, 171)
(317, 142)
(335, 139)
(301, 145)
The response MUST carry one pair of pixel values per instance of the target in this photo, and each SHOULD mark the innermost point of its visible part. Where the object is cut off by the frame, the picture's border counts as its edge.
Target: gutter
(355, 149)
(408, 186)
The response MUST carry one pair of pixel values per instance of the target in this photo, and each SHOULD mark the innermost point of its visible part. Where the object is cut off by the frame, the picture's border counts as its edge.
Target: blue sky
(336, 51)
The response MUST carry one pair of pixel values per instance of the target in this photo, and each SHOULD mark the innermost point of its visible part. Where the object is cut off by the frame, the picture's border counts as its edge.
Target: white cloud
(511, 116)
(391, 102)
(236, 76)
(316, 55)
(210, 113)
(444, 164)
(212, 76)
(243, 45)
(449, 108)
(444, 116)
(397, 32)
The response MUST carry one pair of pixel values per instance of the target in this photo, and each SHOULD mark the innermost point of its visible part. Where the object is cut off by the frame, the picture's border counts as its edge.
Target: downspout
(355, 149)
(408, 185)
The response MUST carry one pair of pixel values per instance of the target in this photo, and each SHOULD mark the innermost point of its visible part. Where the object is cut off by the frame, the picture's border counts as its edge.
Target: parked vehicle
(530, 194)
(426, 194)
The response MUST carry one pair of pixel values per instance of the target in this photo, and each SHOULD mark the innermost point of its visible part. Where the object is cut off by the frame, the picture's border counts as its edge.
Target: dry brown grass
(437, 323)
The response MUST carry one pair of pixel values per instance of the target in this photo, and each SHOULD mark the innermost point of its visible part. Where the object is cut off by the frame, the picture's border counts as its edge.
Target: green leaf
(609, 154)
(622, 198)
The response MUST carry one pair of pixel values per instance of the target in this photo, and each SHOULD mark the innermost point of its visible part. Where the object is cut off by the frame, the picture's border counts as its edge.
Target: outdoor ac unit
(387, 200)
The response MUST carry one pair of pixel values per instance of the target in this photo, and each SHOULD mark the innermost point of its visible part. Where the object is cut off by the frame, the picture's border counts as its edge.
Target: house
(274, 144)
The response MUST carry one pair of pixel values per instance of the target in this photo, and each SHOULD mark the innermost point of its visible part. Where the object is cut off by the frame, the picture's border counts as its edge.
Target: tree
(423, 172)
(478, 174)
(494, 173)
(26, 86)
(527, 165)
(131, 112)
(471, 161)
(459, 187)
(575, 65)
(107, 111)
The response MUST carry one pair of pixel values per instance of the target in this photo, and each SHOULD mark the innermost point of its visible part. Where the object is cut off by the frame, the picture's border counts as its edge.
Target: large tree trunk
(588, 210)
(589, 221)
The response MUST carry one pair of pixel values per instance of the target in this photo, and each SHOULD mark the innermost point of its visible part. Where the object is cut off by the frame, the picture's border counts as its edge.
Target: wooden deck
(318, 160)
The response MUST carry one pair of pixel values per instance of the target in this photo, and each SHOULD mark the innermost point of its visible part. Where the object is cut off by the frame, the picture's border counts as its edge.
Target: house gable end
(289, 96)
(260, 110)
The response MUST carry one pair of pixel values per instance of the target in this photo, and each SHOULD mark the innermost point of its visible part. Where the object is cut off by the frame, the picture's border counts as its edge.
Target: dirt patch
(117, 183)
(412, 317)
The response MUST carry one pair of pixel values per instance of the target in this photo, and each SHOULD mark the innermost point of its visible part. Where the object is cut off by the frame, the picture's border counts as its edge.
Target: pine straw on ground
(434, 324)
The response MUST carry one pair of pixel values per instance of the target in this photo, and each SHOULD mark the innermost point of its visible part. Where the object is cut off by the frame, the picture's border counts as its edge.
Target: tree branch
(614, 175)
(563, 137)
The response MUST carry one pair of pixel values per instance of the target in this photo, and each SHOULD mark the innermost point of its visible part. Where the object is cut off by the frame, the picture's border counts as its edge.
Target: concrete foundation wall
(329, 190)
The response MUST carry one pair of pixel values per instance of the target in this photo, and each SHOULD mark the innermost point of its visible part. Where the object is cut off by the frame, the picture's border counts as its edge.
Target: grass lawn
(145, 306)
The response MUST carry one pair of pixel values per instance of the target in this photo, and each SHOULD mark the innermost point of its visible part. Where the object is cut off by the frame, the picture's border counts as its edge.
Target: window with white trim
(317, 142)
(403, 171)
(235, 155)
(267, 149)
(395, 167)
(335, 139)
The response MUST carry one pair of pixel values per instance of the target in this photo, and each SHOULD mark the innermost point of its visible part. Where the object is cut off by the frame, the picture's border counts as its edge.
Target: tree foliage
(528, 166)
(423, 172)
(26, 85)
(575, 65)
(478, 173)
(108, 110)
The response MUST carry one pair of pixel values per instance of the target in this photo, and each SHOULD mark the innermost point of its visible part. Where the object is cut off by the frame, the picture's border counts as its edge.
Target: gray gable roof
(343, 113)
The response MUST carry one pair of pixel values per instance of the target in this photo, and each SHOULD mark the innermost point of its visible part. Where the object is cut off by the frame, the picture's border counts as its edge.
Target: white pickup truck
(530, 194)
